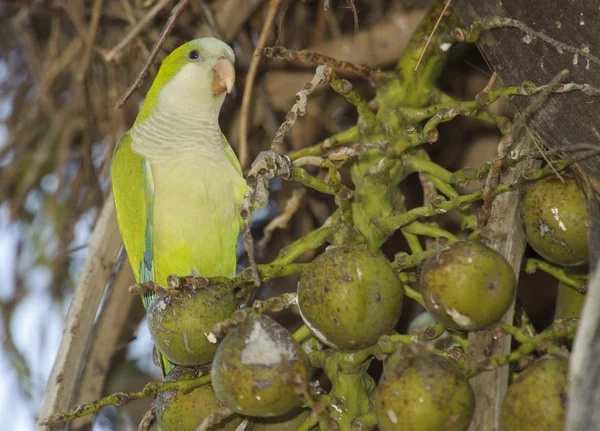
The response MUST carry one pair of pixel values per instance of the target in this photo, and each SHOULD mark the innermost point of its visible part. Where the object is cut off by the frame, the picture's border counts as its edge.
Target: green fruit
(180, 324)
(423, 393)
(255, 365)
(178, 411)
(537, 399)
(555, 217)
(349, 297)
(467, 286)
(569, 302)
(288, 422)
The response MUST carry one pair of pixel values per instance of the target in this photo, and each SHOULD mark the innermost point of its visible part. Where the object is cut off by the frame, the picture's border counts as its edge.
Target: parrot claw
(267, 166)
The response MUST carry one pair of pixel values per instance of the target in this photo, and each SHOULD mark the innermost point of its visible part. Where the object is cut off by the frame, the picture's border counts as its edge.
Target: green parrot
(177, 184)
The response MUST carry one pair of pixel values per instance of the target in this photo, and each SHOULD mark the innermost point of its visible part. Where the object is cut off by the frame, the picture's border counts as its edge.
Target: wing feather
(133, 192)
(241, 185)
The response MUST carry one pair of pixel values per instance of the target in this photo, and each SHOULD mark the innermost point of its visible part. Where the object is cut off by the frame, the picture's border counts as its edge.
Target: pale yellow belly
(196, 217)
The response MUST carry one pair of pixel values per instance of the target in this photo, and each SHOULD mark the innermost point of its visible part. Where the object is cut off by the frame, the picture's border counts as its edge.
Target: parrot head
(197, 74)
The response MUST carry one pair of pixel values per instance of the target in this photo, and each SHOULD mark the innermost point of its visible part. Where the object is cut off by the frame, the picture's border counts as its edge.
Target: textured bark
(64, 380)
(111, 332)
(564, 120)
(561, 122)
(505, 227)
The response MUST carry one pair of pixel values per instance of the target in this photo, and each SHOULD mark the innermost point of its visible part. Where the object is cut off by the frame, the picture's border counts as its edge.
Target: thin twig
(210, 20)
(352, 7)
(538, 146)
(132, 20)
(175, 13)
(519, 124)
(147, 19)
(87, 54)
(249, 84)
(308, 56)
(492, 22)
(266, 166)
(281, 20)
(322, 74)
(432, 33)
(507, 142)
(282, 220)
(121, 398)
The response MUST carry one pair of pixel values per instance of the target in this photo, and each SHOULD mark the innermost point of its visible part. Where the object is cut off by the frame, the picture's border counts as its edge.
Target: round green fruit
(569, 302)
(349, 297)
(423, 393)
(537, 399)
(178, 411)
(180, 324)
(467, 286)
(555, 217)
(254, 366)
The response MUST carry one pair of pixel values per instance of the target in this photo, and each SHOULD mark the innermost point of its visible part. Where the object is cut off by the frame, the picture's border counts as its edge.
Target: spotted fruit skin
(178, 411)
(254, 367)
(569, 302)
(555, 217)
(423, 393)
(180, 324)
(537, 399)
(349, 297)
(468, 286)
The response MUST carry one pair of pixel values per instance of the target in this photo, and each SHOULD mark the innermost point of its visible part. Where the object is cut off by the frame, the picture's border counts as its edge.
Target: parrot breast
(196, 217)
(197, 195)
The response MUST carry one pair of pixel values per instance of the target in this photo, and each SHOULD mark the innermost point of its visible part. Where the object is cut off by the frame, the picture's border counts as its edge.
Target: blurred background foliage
(64, 64)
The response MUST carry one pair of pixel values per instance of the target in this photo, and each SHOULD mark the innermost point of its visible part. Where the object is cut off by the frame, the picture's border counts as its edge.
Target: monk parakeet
(177, 183)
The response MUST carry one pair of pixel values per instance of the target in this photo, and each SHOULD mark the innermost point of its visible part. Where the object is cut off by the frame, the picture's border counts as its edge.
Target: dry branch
(371, 46)
(175, 13)
(64, 379)
(504, 225)
(91, 39)
(137, 28)
(583, 414)
(243, 148)
(107, 336)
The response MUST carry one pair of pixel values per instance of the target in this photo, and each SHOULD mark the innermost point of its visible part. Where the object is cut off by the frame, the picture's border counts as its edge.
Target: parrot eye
(194, 54)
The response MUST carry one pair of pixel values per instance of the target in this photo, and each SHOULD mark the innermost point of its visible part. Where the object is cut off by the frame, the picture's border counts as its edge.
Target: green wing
(241, 189)
(231, 155)
(134, 202)
(133, 191)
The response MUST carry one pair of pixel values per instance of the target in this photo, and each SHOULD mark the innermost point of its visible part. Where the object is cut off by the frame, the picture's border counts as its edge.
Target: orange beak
(224, 76)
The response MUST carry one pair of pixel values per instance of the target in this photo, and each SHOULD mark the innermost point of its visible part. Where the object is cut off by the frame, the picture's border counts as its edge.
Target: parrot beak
(224, 76)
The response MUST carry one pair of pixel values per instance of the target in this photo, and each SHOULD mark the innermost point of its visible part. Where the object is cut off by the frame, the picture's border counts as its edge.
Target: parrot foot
(267, 166)
(191, 282)
(219, 330)
(151, 286)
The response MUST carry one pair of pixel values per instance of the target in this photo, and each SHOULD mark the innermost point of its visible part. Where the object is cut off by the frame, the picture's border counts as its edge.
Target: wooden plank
(562, 122)
(505, 226)
(65, 376)
(565, 119)
(584, 395)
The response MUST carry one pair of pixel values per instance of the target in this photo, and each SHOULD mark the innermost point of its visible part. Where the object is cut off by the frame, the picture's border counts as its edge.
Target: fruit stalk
(121, 398)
